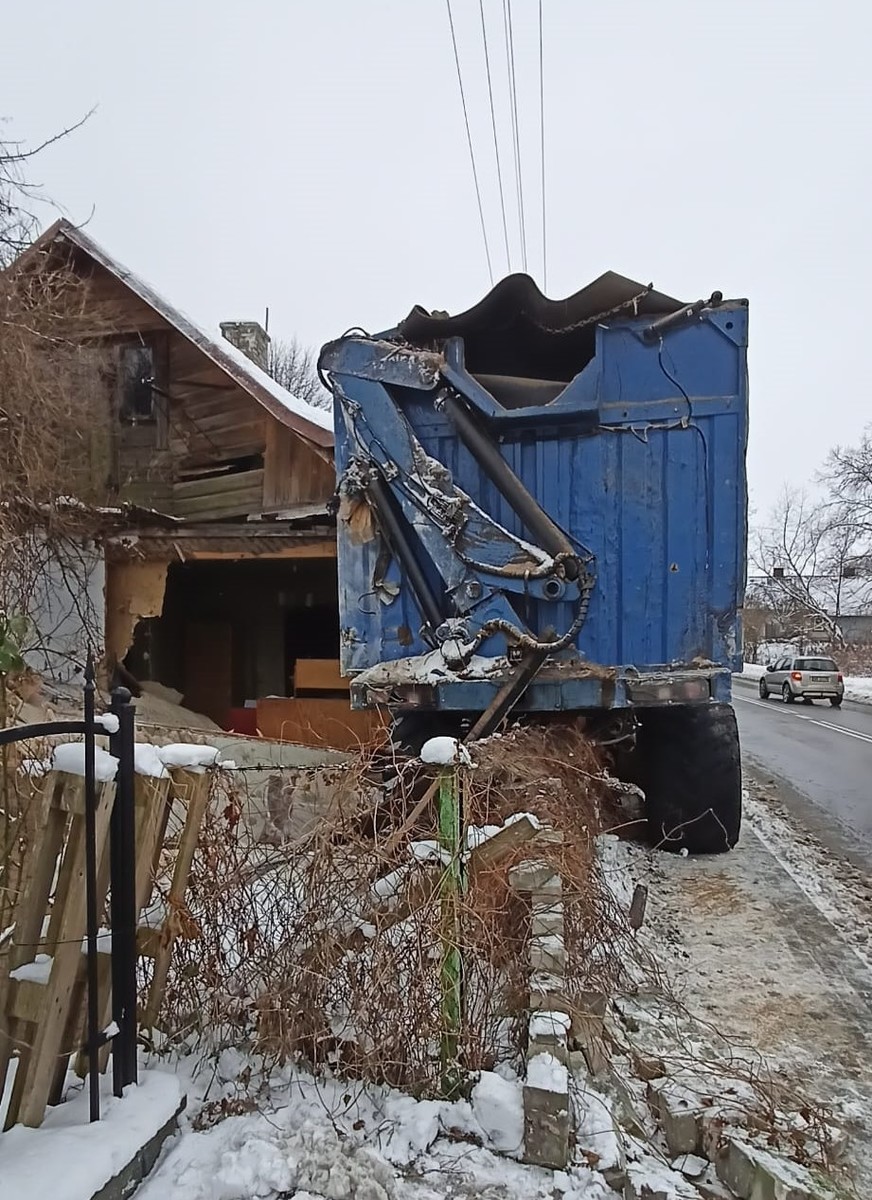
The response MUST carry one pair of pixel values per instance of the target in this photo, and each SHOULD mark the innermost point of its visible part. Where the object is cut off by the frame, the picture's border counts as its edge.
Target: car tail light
(839, 678)
(797, 675)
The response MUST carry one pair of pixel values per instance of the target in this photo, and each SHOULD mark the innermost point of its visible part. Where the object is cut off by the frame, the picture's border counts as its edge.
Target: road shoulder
(771, 946)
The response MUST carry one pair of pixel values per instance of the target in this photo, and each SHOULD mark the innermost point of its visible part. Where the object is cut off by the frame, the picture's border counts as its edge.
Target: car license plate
(820, 679)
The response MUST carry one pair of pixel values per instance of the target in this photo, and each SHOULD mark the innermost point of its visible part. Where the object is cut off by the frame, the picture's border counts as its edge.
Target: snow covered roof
(313, 424)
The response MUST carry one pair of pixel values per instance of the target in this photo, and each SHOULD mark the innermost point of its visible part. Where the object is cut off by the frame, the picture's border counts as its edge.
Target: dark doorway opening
(231, 632)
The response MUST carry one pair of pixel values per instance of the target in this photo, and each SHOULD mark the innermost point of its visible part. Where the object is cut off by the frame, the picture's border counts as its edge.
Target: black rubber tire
(835, 701)
(763, 690)
(808, 700)
(787, 695)
(691, 773)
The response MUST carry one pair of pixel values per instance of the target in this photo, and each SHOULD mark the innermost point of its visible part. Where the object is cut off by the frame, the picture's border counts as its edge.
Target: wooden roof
(313, 424)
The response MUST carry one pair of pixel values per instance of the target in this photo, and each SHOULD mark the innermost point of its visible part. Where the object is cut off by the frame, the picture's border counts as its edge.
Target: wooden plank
(217, 508)
(193, 790)
(72, 798)
(319, 722)
(29, 916)
(500, 847)
(293, 472)
(26, 998)
(48, 1045)
(152, 799)
(314, 548)
(218, 485)
(39, 877)
(319, 675)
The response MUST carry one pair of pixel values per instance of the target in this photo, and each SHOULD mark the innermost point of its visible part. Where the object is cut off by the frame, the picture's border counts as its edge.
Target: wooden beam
(317, 548)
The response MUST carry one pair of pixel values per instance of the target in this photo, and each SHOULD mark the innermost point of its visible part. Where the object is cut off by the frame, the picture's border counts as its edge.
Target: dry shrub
(294, 953)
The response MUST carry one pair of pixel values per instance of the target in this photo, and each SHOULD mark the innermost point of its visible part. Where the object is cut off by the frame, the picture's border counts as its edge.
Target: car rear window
(815, 664)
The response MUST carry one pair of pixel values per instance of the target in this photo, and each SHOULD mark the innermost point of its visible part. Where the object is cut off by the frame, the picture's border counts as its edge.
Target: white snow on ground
(337, 1140)
(857, 687)
(752, 671)
(837, 890)
(69, 1159)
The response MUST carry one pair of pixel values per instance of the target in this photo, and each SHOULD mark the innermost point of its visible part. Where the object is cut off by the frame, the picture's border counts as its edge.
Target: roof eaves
(312, 428)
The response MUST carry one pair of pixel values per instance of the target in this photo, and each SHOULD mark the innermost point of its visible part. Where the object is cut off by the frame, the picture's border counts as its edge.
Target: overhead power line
(542, 149)
(469, 142)
(516, 136)
(490, 92)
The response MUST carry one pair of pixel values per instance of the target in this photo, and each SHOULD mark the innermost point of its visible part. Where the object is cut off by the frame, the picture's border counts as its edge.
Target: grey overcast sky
(310, 155)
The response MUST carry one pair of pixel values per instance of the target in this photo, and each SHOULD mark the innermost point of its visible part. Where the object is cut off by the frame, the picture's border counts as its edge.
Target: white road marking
(862, 737)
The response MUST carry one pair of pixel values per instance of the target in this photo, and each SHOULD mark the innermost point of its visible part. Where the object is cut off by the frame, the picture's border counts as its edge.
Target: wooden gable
(204, 448)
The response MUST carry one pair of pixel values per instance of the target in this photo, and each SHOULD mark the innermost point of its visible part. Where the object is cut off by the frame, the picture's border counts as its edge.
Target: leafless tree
(19, 196)
(848, 475)
(294, 367)
(805, 555)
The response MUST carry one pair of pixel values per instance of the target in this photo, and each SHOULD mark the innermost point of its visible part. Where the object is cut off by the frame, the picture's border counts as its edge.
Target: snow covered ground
(336, 1139)
(68, 1158)
(768, 950)
(857, 687)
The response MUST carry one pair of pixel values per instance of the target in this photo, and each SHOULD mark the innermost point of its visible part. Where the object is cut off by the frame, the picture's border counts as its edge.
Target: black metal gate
(122, 877)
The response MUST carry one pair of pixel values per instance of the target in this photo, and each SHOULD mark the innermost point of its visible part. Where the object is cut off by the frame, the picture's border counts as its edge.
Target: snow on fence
(43, 962)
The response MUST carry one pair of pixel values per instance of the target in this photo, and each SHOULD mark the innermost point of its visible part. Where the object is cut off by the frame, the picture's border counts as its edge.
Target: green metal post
(452, 964)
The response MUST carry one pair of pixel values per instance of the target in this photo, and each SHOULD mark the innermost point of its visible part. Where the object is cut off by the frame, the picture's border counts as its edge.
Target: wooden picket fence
(43, 988)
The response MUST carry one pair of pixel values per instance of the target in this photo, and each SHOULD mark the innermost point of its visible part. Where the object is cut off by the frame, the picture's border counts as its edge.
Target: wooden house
(230, 583)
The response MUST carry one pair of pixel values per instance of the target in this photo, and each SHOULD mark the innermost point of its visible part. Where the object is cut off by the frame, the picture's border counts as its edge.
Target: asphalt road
(821, 760)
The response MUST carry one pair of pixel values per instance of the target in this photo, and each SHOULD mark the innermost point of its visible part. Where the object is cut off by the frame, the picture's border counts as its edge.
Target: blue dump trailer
(541, 509)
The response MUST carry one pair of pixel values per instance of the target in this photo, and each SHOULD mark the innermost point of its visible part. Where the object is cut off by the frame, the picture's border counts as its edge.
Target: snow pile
(149, 760)
(343, 1143)
(547, 1074)
(858, 688)
(181, 754)
(445, 752)
(549, 1025)
(498, 1107)
(70, 758)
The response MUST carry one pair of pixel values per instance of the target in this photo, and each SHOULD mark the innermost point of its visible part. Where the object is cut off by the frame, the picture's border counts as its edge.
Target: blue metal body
(641, 462)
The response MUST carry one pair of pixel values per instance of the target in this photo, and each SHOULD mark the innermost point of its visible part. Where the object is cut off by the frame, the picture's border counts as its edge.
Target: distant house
(781, 606)
(216, 570)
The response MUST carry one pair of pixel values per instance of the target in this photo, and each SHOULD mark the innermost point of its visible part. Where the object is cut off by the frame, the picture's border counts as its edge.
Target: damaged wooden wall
(209, 450)
(134, 590)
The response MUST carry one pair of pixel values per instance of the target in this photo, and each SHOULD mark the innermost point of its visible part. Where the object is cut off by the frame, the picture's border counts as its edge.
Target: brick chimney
(249, 337)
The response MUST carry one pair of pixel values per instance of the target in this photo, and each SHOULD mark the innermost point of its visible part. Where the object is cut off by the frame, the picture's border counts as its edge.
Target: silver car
(803, 677)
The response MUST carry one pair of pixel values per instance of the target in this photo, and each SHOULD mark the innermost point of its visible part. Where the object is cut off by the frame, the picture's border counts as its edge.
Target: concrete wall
(857, 629)
(68, 611)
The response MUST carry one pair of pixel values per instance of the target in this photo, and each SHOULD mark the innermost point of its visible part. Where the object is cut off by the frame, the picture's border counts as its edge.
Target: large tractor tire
(691, 774)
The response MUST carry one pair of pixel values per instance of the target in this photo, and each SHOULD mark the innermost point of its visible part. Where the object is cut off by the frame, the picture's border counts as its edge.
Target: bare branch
(293, 366)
